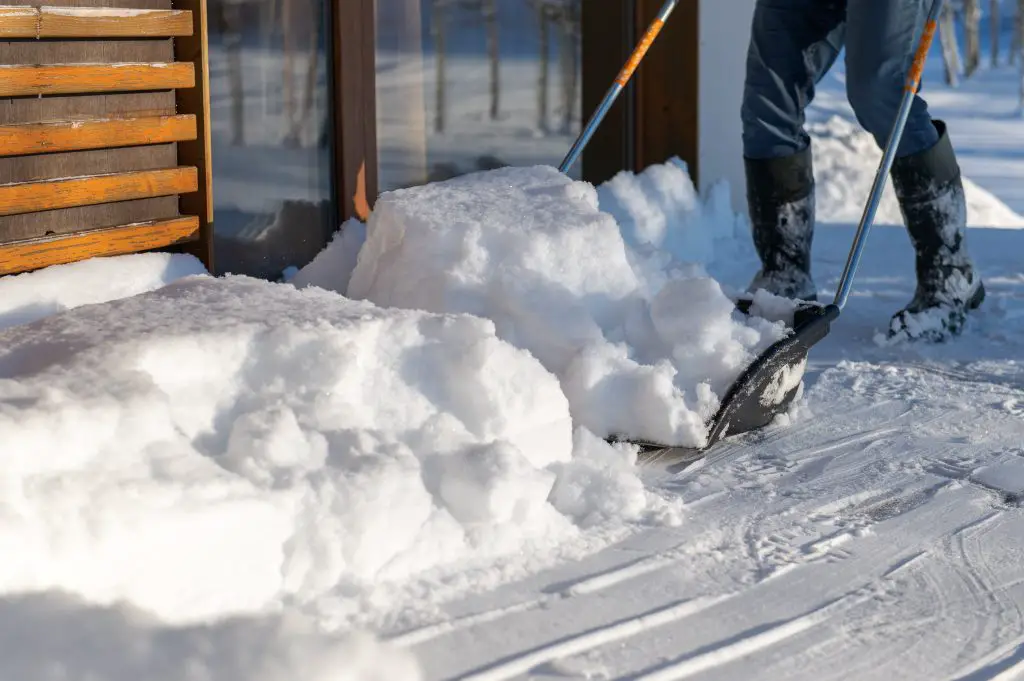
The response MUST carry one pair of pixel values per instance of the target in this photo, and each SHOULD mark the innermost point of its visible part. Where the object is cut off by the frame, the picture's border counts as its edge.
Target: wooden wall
(104, 131)
(667, 88)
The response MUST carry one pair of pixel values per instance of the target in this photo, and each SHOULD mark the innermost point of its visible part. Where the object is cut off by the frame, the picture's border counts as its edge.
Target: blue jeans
(794, 43)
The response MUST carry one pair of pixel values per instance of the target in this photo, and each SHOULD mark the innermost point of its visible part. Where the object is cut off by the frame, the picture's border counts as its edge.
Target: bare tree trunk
(972, 19)
(542, 84)
(437, 26)
(233, 43)
(570, 63)
(312, 73)
(491, 17)
(993, 27)
(950, 49)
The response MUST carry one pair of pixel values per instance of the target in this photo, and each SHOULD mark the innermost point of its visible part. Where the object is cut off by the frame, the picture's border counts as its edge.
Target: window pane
(464, 85)
(271, 133)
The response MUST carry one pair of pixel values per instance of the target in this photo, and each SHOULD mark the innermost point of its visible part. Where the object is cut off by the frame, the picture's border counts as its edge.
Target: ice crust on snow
(643, 345)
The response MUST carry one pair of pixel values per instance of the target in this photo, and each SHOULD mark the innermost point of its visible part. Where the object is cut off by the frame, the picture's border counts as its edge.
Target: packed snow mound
(639, 352)
(332, 267)
(846, 160)
(30, 296)
(662, 217)
(219, 445)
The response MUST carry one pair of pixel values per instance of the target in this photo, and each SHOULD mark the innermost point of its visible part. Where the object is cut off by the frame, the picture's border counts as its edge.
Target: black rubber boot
(930, 191)
(780, 199)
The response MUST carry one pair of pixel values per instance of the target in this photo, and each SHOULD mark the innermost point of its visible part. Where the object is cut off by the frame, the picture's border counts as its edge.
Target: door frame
(655, 117)
(354, 109)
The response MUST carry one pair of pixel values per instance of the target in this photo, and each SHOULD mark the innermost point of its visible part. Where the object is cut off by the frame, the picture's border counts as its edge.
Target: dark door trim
(354, 110)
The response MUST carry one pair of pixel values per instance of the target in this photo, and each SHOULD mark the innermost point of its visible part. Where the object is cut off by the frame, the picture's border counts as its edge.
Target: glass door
(271, 130)
(465, 85)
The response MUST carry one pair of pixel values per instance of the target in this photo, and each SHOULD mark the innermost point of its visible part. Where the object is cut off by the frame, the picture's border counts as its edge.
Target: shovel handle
(888, 156)
(625, 73)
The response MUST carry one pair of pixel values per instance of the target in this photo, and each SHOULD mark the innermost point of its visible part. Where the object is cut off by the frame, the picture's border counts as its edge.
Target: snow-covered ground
(225, 479)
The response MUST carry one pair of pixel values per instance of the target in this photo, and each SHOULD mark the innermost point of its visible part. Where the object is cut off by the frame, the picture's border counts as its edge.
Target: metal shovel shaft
(620, 83)
(888, 155)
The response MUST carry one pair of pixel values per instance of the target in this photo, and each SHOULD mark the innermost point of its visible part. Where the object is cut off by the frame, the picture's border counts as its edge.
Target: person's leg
(880, 41)
(793, 43)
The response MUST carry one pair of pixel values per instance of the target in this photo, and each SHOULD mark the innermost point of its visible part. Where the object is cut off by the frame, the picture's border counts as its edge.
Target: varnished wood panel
(31, 254)
(70, 134)
(38, 138)
(91, 22)
(25, 197)
(23, 80)
(18, 22)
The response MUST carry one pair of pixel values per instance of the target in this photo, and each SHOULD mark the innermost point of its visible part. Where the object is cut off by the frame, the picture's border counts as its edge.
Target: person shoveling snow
(792, 47)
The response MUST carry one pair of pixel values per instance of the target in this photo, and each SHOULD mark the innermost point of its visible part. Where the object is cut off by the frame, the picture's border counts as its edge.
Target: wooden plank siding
(104, 131)
(92, 22)
(27, 197)
(42, 138)
(45, 251)
(76, 79)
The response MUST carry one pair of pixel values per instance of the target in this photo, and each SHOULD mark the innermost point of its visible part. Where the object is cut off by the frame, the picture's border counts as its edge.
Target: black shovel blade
(765, 389)
(769, 385)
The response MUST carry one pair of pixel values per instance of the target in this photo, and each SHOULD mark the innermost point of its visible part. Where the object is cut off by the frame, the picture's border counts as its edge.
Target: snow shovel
(769, 385)
(625, 73)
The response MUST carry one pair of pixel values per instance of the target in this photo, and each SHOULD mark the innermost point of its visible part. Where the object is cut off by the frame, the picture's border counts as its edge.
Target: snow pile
(185, 470)
(55, 636)
(662, 217)
(332, 267)
(640, 350)
(846, 160)
(217, 445)
(30, 296)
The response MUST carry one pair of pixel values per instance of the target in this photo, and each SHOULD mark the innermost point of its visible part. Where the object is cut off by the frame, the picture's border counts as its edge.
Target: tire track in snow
(804, 543)
(631, 570)
(999, 612)
(746, 643)
(734, 448)
(603, 580)
(754, 640)
(581, 586)
(427, 632)
(1006, 665)
(520, 663)
(586, 585)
